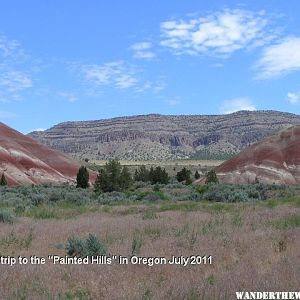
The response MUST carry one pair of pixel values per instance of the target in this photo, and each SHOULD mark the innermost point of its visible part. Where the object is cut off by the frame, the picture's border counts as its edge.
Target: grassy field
(254, 246)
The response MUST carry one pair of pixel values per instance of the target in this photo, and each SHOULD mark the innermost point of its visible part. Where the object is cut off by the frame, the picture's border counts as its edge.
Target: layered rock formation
(24, 161)
(165, 137)
(275, 159)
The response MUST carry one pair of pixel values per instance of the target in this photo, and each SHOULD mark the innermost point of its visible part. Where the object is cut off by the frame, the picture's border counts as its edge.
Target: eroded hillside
(165, 137)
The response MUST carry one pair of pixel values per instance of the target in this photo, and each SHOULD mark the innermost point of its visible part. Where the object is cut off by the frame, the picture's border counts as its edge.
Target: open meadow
(254, 244)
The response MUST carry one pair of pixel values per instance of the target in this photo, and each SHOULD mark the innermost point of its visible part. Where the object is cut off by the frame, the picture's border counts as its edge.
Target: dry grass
(171, 166)
(250, 252)
(179, 162)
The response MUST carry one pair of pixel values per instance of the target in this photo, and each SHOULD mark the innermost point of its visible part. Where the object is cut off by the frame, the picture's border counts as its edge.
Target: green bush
(91, 246)
(110, 198)
(137, 242)
(38, 199)
(6, 216)
(154, 196)
(20, 209)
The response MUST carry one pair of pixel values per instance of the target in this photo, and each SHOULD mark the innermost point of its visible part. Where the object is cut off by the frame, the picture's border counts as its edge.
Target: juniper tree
(3, 180)
(184, 175)
(82, 178)
(211, 177)
(158, 175)
(112, 177)
(141, 174)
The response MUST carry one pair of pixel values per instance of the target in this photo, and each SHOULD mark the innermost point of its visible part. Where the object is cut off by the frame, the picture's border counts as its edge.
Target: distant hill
(24, 161)
(275, 159)
(150, 137)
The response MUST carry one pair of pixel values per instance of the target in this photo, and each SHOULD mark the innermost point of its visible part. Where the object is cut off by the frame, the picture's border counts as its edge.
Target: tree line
(114, 177)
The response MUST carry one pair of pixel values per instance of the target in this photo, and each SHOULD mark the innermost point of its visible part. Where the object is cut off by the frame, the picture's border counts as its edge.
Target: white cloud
(293, 98)
(279, 59)
(237, 104)
(220, 33)
(13, 78)
(14, 81)
(11, 49)
(173, 102)
(69, 96)
(117, 74)
(143, 50)
(155, 86)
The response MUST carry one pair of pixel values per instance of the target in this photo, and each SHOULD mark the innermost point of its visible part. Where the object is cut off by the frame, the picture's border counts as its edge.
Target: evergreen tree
(102, 181)
(158, 175)
(82, 178)
(211, 177)
(197, 175)
(3, 180)
(126, 179)
(112, 177)
(141, 174)
(184, 175)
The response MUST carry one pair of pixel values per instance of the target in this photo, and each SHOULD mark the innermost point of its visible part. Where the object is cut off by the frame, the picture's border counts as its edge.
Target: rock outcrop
(24, 161)
(165, 137)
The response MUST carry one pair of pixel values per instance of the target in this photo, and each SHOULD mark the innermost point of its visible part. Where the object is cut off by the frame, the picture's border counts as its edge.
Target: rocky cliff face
(165, 137)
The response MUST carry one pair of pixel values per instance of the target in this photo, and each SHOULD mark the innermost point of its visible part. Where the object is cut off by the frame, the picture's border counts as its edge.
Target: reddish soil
(275, 159)
(23, 160)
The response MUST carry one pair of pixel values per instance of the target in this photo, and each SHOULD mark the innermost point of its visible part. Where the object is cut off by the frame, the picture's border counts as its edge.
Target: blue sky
(84, 60)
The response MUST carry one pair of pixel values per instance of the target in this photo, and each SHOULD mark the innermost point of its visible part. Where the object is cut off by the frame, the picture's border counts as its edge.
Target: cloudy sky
(64, 60)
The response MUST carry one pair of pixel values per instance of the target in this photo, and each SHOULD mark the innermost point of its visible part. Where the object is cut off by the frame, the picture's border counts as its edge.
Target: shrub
(54, 196)
(154, 196)
(94, 246)
(156, 188)
(91, 246)
(197, 175)
(37, 199)
(110, 198)
(75, 247)
(19, 209)
(6, 217)
(77, 198)
(137, 242)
